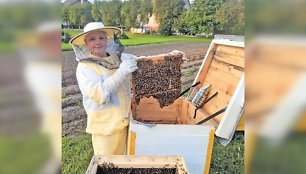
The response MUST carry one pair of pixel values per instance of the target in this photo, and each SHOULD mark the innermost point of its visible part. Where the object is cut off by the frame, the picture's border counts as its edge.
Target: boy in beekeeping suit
(103, 77)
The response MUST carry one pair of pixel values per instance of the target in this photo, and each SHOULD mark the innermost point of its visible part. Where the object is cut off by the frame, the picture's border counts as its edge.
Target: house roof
(72, 2)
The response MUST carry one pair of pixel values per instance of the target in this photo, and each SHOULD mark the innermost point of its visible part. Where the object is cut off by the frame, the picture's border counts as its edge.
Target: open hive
(122, 164)
(223, 68)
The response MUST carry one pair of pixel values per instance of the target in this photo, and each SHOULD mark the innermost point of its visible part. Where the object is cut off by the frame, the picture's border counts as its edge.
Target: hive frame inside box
(155, 60)
(223, 67)
(130, 161)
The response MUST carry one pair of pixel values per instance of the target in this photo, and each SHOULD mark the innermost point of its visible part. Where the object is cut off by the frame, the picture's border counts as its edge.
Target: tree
(65, 15)
(230, 17)
(146, 9)
(201, 17)
(75, 15)
(167, 13)
(111, 12)
(86, 14)
(96, 11)
(130, 13)
(182, 24)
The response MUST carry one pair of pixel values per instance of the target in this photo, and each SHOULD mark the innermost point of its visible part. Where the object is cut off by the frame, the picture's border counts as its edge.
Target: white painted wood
(91, 166)
(188, 141)
(228, 42)
(232, 115)
(230, 37)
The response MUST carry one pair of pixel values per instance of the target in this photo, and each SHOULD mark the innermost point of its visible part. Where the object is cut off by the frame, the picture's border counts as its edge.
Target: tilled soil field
(74, 116)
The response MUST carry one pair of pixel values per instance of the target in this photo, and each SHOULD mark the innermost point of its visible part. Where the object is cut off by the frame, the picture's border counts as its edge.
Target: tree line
(204, 16)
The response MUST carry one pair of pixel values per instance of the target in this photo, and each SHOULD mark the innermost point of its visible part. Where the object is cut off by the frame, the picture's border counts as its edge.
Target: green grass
(77, 153)
(189, 73)
(73, 32)
(66, 47)
(143, 39)
(228, 159)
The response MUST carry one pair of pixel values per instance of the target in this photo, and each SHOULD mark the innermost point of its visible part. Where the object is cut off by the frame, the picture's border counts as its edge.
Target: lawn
(142, 39)
(66, 46)
(73, 32)
(77, 153)
(228, 159)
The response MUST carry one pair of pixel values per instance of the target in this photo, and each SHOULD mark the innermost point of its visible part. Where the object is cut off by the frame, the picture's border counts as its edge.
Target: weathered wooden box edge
(129, 161)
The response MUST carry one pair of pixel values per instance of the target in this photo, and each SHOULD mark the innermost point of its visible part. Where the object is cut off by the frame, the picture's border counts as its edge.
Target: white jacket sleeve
(113, 82)
(99, 88)
(91, 85)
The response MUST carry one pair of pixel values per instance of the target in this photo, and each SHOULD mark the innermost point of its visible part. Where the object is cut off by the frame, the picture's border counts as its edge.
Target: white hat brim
(79, 39)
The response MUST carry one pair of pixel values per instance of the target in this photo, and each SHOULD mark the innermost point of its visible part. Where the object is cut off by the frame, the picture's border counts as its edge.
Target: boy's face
(97, 43)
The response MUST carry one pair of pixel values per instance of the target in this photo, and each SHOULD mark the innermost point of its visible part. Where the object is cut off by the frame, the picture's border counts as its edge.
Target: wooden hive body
(131, 161)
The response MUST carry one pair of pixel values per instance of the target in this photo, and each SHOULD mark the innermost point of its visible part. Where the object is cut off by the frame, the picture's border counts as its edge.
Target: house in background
(152, 25)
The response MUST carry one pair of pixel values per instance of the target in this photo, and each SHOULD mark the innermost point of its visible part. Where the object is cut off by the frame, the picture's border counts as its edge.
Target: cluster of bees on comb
(158, 77)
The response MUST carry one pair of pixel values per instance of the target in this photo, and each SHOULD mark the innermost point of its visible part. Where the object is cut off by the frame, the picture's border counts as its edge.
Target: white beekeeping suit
(105, 86)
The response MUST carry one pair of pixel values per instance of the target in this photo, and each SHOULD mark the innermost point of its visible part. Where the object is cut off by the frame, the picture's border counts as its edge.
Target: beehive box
(192, 142)
(139, 162)
(223, 68)
(176, 132)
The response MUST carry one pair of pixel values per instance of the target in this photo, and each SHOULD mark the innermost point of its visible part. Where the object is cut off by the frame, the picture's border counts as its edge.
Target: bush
(165, 29)
(66, 37)
(123, 36)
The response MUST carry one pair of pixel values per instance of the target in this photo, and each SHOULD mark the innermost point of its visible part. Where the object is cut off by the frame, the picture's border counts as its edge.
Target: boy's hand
(128, 66)
(126, 56)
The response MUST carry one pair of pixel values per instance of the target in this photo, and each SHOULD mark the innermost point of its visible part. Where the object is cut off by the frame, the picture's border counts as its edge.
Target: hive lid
(223, 68)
